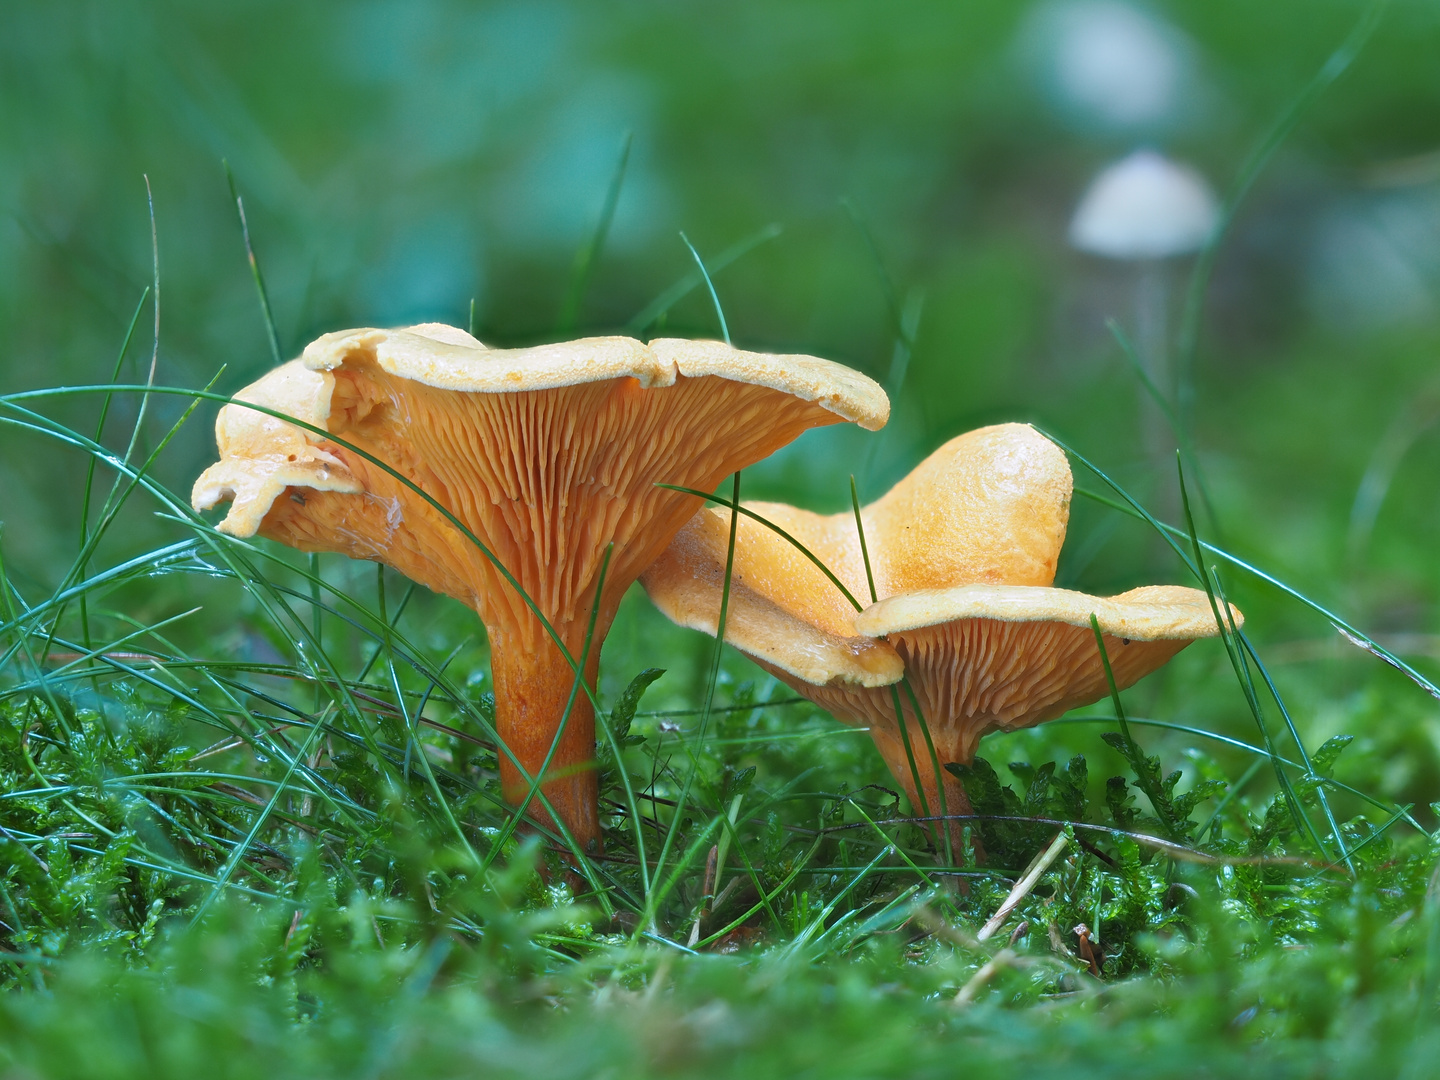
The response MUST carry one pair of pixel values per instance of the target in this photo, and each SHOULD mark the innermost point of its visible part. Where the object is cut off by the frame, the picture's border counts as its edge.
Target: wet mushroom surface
(548, 456)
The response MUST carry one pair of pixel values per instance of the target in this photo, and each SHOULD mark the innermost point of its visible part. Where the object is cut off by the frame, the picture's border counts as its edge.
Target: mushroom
(1145, 206)
(548, 455)
(1147, 210)
(963, 552)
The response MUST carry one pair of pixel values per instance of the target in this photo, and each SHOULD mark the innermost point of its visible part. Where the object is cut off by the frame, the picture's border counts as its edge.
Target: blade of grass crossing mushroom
(687, 284)
(10, 400)
(709, 700)
(714, 297)
(259, 278)
(589, 253)
(535, 782)
(778, 531)
(1225, 623)
(935, 762)
(895, 698)
(860, 532)
(924, 807)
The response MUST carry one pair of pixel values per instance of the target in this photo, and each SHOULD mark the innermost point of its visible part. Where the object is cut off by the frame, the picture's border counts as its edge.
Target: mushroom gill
(547, 455)
(964, 551)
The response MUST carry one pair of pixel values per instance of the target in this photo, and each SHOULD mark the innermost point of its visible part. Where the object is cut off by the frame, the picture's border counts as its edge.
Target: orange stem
(532, 687)
(956, 801)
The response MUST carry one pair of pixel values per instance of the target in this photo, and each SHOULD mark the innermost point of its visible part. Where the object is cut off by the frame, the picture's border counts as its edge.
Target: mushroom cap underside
(977, 675)
(1000, 658)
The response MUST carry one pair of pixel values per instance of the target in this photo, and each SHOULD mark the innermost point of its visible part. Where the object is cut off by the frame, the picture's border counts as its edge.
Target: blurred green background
(880, 163)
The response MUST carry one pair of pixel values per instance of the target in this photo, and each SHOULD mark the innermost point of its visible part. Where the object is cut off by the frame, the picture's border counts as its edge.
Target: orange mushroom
(548, 455)
(963, 553)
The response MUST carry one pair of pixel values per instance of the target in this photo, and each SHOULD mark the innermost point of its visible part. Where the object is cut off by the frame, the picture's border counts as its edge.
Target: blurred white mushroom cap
(1145, 206)
(1112, 65)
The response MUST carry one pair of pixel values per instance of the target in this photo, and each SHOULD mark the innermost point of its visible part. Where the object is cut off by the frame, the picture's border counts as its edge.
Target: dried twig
(1024, 885)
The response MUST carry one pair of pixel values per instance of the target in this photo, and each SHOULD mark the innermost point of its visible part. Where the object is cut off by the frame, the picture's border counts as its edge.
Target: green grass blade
(661, 305)
(589, 254)
(714, 297)
(265, 312)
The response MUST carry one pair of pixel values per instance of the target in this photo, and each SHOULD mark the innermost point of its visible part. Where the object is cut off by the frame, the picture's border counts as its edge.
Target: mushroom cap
(964, 551)
(686, 582)
(989, 506)
(256, 450)
(547, 454)
(260, 455)
(450, 359)
(1145, 206)
(1149, 613)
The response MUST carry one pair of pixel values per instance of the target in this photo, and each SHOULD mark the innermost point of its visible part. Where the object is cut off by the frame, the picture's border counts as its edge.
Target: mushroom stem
(957, 803)
(532, 689)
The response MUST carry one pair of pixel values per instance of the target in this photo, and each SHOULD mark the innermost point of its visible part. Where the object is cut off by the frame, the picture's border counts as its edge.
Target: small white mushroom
(1145, 206)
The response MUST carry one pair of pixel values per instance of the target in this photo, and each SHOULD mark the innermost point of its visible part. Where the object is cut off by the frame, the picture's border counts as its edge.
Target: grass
(250, 816)
(278, 837)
